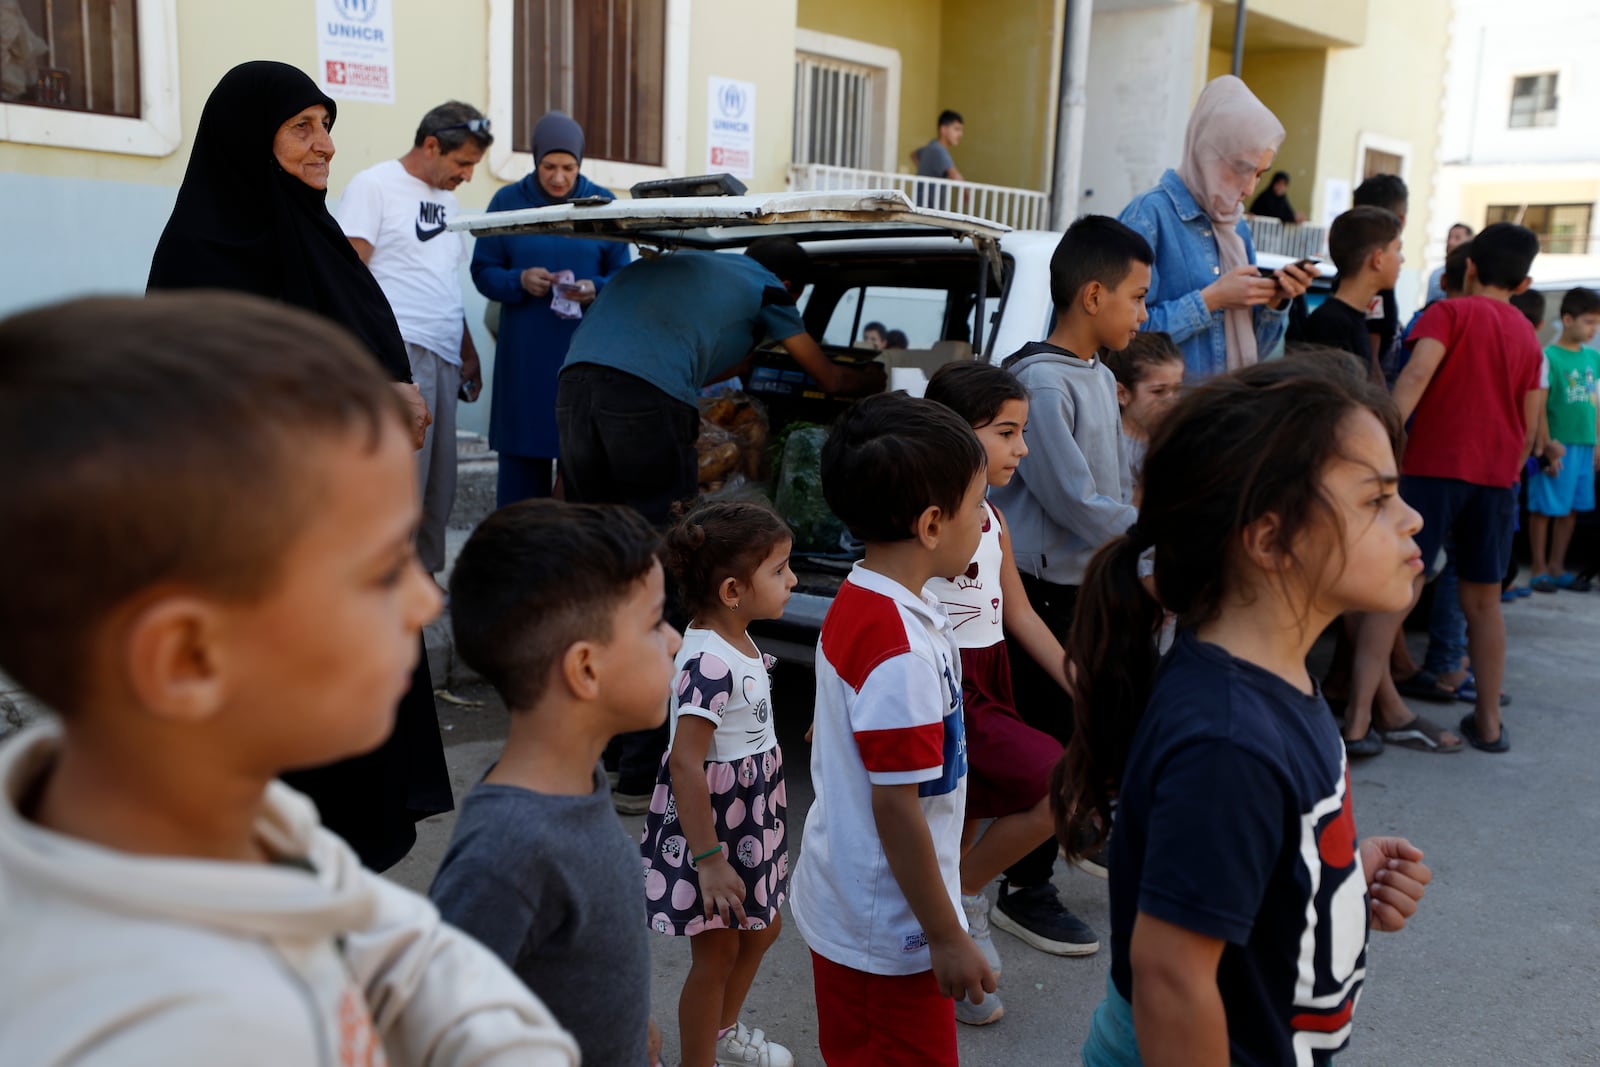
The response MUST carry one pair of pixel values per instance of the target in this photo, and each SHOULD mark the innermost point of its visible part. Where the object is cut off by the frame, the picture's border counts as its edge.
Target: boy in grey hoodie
(1070, 494)
(209, 573)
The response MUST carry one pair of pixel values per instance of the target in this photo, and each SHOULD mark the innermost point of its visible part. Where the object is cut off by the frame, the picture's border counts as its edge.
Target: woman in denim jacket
(1205, 290)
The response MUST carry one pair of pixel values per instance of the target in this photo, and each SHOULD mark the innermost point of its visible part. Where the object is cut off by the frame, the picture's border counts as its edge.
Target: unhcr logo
(731, 100)
(354, 13)
(357, 10)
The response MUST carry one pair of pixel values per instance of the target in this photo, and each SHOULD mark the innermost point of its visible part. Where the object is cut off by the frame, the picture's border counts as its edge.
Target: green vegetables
(798, 490)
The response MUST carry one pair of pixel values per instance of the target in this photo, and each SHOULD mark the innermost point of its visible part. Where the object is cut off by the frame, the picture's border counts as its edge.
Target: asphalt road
(1501, 966)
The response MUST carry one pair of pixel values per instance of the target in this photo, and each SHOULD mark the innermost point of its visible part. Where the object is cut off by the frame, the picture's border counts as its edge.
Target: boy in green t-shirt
(1565, 482)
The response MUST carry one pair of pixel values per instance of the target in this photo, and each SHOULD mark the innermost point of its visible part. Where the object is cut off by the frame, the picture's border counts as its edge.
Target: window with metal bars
(600, 61)
(1533, 101)
(81, 55)
(834, 107)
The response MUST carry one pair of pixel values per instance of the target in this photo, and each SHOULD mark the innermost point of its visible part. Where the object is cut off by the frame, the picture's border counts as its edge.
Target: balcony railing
(1021, 209)
(1288, 238)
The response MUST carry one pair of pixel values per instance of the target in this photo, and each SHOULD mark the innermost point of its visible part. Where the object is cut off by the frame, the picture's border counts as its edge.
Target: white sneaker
(741, 1047)
(983, 1014)
(977, 909)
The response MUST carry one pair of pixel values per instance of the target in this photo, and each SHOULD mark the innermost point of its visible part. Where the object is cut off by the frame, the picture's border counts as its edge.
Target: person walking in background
(252, 216)
(933, 161)
(715, 843)
(1241, 898)
(395, 214)
(543, 283)
(1205, 290)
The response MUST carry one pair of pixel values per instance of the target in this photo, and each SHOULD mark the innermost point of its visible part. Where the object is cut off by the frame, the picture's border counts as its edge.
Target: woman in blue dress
(520, 271)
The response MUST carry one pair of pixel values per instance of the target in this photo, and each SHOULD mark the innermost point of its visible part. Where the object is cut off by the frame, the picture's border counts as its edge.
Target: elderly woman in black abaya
(251, 216)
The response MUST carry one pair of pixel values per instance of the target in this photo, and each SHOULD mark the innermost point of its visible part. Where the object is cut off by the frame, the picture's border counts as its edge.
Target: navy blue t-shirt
(1234, 822)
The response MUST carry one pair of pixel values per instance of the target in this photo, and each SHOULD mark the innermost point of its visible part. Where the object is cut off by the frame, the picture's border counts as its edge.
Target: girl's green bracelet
(706, 854)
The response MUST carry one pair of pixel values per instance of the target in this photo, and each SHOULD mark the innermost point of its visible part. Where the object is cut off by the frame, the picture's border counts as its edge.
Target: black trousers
(1039, 700)
(623, 441)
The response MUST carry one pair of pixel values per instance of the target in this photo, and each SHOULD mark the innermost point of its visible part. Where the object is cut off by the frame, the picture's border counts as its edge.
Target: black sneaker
(1037, 916)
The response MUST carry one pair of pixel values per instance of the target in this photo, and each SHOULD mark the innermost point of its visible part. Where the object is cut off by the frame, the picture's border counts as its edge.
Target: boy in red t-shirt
(1470, 393)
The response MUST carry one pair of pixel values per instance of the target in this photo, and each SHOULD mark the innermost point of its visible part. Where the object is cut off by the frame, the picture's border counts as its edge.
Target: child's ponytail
(1238, 448)
(1111, 662)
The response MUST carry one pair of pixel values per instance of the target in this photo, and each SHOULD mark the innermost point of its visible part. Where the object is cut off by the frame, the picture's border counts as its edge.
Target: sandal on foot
(1421, 734)
(1468, 728)
(1543, 584)
(1424, 685)
(1363, 747)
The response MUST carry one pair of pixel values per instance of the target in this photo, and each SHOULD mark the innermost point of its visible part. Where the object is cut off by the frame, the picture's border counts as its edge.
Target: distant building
(1517, 143)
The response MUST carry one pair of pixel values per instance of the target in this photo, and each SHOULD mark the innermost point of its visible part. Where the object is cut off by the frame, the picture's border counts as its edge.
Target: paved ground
(1502, 966)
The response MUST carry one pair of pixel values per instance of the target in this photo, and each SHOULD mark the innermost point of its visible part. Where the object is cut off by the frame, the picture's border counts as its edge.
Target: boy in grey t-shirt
(933, 160)
(560, 606)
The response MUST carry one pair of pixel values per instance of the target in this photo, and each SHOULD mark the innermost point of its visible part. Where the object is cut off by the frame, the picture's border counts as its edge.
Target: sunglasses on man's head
(471, 126)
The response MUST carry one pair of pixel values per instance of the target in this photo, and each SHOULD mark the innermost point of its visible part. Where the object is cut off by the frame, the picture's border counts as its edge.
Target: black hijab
(243, 223)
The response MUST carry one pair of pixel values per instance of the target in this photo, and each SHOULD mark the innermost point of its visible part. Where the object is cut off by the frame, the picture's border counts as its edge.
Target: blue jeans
(1447, 623)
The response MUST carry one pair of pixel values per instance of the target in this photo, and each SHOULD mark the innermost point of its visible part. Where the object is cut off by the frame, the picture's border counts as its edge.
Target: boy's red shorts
(882, 1020)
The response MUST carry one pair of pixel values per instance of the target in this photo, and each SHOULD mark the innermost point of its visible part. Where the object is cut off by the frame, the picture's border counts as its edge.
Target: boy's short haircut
(537, 577)
(1531, 303)
(1385, 191)
(1580, 301)
(946, 117)
(1502, 253)
(1095, 248)
(1149, 348)
(891, 457)
(1454, 278)
(170, 440)
(1357, 234)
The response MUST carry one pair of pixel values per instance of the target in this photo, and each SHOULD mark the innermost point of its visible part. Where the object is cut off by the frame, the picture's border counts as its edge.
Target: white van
(958, 287)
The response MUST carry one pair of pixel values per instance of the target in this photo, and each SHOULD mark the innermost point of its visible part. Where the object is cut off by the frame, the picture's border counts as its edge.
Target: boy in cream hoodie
(207, 564)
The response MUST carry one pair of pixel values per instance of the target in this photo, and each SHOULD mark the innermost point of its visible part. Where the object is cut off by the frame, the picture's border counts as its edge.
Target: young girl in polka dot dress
(716, 861)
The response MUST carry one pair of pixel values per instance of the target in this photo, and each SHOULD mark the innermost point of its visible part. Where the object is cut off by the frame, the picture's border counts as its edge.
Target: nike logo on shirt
(431, 213)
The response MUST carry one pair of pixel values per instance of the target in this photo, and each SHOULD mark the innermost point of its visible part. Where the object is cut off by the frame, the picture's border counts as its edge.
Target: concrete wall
(1139, 97)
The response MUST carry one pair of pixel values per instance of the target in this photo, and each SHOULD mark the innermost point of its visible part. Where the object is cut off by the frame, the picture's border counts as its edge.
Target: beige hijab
(1228, 131)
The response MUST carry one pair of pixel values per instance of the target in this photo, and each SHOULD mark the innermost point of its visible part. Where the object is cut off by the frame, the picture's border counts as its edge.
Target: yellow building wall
(729, 40)
(1390, 87)
(997, 67)
(910, 27)
(437, 58)
(1344, 21)
(1290, 83)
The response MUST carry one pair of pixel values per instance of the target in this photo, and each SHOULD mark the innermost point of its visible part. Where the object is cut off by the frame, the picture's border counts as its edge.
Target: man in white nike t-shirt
(395, 214)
